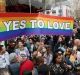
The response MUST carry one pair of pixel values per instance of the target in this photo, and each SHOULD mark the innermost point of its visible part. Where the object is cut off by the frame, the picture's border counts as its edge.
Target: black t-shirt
(78, 34)
(43, 69)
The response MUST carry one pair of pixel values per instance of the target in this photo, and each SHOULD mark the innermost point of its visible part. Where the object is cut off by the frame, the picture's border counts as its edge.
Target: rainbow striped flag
(17, 24)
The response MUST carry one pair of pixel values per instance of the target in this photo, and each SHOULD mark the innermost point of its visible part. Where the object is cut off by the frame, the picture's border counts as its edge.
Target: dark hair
(59, 50)
(47, 46)
(1, 47)
(20, 41)
(27, 73)
(40, 60)
(55, 56)
(33, 40)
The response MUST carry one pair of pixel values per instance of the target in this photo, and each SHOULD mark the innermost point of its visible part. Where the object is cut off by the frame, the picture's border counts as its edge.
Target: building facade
(2, 5)
(65, 8)
(75, 6)
(59, 11)
(60, 8)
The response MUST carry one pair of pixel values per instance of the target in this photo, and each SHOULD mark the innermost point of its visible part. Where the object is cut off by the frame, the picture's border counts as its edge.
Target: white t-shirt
(2, 61)
(78, 56)
(23, 53)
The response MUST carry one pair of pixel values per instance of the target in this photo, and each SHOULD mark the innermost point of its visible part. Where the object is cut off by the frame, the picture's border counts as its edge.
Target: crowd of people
(41, 55)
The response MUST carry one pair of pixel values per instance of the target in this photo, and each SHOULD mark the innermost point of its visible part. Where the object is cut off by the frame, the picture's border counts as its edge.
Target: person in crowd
(70, 59)
(48, 55)
(11, 46)
(42, 48)
(69, 41)
(77, 34)
(60, 44)
(31, 46)
(14, 66)
(13, 58)
(51, 42)
(36, 54)
(58, 66)
(37, 44)
(76, 42)
(67, 56)
(21, 50)
(78, 55)
(73, 56)
(42, 68)
(34, 59)
(26, 67)
(40, 65)
(4, 61)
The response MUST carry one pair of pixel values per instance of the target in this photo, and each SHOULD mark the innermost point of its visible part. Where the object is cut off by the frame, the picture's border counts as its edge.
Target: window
(60, 12)
(53, 11)
(60, 0)
(48, 12)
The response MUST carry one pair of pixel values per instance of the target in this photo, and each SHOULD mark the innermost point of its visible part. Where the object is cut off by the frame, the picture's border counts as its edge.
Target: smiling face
(20, 44)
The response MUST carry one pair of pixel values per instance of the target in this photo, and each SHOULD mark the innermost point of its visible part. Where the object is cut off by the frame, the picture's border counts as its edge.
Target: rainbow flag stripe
(17, 24)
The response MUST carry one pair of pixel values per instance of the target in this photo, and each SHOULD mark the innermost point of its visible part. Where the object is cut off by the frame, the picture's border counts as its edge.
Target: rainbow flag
(17, 24)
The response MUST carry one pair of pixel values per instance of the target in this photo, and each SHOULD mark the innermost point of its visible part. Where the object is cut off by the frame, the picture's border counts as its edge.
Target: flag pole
(30, 5)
